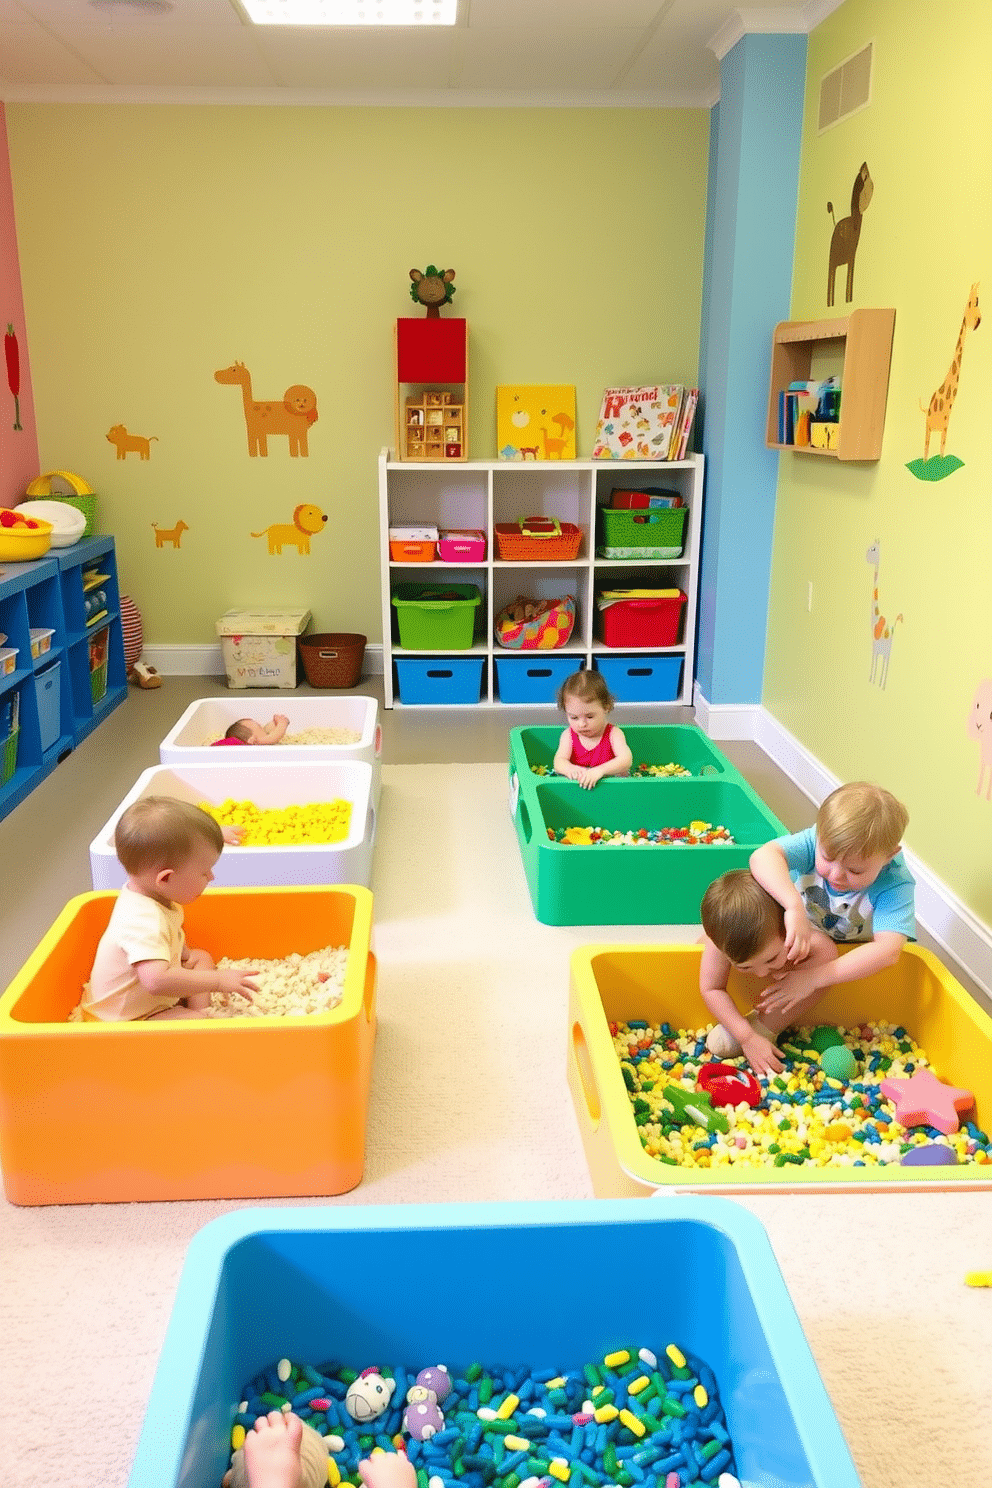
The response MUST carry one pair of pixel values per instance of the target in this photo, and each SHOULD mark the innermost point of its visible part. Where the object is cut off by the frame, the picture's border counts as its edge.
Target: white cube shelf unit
(482, 493)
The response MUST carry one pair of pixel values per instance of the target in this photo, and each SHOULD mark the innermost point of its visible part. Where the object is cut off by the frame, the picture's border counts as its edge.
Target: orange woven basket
(539, 538)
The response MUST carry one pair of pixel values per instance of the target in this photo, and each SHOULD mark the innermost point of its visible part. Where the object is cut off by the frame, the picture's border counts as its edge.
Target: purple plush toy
(435, 1378)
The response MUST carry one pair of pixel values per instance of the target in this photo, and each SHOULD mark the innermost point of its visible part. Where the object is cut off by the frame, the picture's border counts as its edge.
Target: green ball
(824, 1037)
(838, 1062)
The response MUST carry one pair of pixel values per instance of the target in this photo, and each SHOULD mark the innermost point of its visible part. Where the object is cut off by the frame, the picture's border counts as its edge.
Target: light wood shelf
(864, 340)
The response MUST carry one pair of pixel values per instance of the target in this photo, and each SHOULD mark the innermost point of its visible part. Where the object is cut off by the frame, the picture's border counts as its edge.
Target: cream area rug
(470, 1102)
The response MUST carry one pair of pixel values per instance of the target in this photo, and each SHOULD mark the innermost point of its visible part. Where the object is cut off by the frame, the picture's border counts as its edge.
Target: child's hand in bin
(232, 835)
(387, 1470)
(232, 983)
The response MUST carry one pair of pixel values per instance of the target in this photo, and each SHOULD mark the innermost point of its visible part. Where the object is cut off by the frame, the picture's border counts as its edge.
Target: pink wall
(18, 447)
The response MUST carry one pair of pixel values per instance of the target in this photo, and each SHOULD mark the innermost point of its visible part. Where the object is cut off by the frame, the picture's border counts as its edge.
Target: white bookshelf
(480, 493)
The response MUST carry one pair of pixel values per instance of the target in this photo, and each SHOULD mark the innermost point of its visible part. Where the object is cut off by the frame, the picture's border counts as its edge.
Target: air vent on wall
(846, 89)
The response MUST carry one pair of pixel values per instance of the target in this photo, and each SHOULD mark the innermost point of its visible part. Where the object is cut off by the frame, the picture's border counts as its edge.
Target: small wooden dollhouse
(431, 390)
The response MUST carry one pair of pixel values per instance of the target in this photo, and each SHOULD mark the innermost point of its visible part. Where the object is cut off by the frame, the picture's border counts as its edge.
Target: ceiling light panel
(352, 12)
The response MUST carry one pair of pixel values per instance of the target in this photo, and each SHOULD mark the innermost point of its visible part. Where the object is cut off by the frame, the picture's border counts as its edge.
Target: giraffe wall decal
(938, 412)
(881, 631)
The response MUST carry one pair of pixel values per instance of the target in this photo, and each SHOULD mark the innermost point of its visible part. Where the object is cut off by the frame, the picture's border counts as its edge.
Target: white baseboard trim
(208, 661)
(958, 932)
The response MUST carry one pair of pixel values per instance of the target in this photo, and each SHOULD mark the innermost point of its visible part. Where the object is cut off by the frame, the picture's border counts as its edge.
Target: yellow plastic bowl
(20, 544)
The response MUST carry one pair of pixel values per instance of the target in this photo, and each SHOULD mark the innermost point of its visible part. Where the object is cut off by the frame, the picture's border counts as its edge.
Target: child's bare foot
(272, 1452)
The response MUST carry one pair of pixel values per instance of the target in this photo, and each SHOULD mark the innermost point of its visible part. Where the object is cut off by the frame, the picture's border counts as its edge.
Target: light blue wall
(750, 238)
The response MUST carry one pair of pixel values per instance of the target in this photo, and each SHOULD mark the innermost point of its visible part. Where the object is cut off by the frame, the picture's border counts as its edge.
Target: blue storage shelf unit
(49, 594)
(267, 1283)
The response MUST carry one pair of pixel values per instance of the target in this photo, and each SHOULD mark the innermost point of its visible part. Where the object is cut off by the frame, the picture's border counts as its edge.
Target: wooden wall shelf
(864, 339)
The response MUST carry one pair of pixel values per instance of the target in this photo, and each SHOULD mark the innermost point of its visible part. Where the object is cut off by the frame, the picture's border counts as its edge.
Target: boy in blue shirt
(846, 877)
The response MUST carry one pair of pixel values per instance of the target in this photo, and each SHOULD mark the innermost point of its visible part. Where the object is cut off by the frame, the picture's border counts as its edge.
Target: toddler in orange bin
(143, 967)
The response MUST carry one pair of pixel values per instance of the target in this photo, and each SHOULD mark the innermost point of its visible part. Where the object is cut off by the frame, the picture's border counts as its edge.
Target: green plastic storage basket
(85, 504)
(8, 757)
(658, 527)
(436, 617)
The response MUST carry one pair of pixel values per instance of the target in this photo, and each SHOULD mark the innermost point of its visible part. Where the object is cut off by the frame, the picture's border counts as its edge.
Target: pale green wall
(925, 238)
(161, 243)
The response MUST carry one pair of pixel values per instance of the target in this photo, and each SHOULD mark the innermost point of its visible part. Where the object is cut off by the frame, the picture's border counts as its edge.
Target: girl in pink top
(591, 747)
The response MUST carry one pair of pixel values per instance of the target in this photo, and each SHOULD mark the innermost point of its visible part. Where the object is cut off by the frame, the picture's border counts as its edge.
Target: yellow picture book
(535, 423)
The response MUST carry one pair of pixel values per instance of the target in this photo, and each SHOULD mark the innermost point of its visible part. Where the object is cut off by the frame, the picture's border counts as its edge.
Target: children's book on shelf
(638, 423)
(680, 445)
(535, 422)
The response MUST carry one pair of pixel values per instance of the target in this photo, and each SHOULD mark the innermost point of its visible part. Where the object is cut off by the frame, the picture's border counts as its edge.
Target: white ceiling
(540, 52)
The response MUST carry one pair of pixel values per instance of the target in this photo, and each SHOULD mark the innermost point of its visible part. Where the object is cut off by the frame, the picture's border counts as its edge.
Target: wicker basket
(333, 658)
(84, 504)
(539, 539)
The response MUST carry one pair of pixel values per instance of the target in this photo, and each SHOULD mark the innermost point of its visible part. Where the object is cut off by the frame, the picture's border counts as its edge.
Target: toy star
(924, 1100)
(694, 1105)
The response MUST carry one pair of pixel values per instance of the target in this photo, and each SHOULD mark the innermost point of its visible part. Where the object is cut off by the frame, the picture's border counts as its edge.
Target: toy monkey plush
(433, 288)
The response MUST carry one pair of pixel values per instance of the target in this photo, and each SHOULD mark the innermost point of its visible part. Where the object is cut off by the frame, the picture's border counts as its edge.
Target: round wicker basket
(333, 658)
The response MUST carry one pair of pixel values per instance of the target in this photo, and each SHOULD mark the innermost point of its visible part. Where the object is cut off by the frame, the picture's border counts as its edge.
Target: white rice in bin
(291, 986)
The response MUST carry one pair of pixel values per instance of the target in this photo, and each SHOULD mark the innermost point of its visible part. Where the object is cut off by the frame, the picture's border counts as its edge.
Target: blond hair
(860, 820)
(587, 686)
(159, 832)
(739, 916)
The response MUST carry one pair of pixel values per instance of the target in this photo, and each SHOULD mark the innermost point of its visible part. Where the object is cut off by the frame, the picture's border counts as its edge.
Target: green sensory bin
(621, 884)
(653, 744)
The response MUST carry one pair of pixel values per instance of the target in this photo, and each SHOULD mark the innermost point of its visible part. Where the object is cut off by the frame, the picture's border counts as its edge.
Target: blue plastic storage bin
(263, 1284)
(533, 678)
(48, 689)
(641, 679)
(439, 679)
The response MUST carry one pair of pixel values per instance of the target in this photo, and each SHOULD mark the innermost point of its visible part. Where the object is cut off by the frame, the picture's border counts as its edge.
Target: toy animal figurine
(432, 288)
(423, 1417)
(369, 1395)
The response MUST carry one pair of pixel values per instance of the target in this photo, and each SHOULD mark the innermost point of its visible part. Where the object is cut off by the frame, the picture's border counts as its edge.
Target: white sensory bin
(345, 862)
(211, 717)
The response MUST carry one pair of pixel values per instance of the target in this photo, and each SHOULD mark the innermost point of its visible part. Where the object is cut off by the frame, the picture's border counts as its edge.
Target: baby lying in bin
(247, 731)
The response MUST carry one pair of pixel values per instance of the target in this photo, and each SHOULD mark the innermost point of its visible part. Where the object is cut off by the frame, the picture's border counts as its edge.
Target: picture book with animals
(638, 423)
(535, 422)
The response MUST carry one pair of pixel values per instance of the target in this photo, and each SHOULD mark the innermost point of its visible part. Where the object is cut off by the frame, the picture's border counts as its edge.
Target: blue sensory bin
(311, 1284)
(617, 883)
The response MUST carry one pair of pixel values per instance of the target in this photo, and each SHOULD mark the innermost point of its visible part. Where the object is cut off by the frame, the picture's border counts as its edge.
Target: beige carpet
(470, 1102)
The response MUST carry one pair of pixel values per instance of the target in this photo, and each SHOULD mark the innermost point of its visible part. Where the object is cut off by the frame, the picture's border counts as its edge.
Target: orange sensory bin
(213, 1108)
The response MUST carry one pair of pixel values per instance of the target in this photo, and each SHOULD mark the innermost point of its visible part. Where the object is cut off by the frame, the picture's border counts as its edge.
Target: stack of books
(645, 423)
(803, 403)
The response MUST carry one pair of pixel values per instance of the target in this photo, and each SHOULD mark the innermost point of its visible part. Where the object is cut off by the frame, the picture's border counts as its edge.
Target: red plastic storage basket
(643, 622)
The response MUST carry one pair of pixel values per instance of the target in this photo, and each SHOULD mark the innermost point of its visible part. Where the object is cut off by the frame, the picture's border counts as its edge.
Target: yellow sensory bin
(917, 1003)
(243, 1107)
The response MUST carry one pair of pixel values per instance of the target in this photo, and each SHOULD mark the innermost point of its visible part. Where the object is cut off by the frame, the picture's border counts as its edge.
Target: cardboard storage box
(661, 984)
(348, 861)
(259, 646)
(264, 1284)
(96, 1113)
(210, 718)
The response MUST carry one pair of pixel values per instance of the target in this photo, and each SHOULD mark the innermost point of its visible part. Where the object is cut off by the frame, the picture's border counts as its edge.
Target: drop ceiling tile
(355, 62)
(29, 54)
(171, 57)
